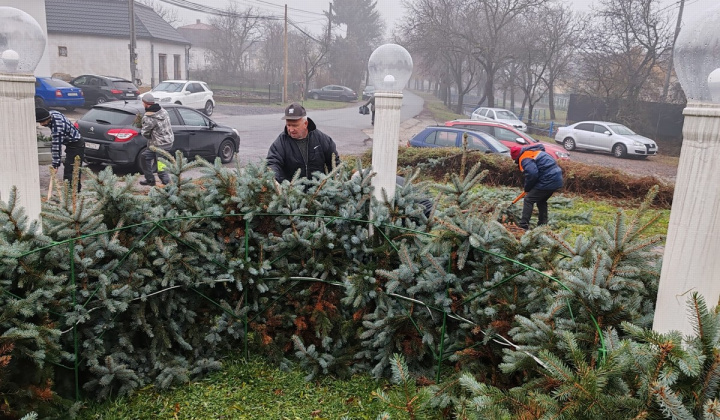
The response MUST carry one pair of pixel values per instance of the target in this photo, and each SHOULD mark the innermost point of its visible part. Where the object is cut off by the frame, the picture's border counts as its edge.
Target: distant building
(93, 36)
(201, 36)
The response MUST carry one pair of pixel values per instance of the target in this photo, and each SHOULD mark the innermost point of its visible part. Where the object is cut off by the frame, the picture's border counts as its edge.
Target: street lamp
(22, 43)
(390, 67)
(690, 260)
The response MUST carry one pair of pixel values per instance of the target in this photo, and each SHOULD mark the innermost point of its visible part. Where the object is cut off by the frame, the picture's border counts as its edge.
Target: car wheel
(619, 150)
(314, 95)
(569, 144)
(226, 152)
(71, 108)
(101, 99)
(140, 163)
(176, 102)
(208, 110)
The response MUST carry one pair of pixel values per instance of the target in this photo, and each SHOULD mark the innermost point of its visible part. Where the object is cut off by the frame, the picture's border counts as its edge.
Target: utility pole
(133, 43)
(284, 95)
(666, 86)
(329, 31)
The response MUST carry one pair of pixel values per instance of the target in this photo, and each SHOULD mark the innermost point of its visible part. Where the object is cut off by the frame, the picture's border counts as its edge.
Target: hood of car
(637, 137)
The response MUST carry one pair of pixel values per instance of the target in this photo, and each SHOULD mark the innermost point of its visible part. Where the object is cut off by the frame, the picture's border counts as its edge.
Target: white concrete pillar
(18, 142)
(386, 137)
(691, 262)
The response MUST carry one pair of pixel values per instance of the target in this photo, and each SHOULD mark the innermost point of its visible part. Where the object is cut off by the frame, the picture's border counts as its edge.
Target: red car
(509, 136)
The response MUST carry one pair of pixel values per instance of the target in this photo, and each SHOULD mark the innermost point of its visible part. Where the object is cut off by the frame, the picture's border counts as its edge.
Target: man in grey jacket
(156, 128)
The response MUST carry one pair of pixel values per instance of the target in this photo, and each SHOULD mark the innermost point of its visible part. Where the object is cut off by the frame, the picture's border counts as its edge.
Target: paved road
(344, 125)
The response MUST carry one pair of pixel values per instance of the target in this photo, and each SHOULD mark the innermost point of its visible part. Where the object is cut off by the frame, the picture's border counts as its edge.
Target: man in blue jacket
(542, 178)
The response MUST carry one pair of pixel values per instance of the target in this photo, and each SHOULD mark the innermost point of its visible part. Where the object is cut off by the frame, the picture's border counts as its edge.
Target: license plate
(93, 146)
(130, 94)
(72, 94)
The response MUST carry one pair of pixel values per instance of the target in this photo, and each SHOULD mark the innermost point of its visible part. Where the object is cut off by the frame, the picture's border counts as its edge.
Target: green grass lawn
(249, 390)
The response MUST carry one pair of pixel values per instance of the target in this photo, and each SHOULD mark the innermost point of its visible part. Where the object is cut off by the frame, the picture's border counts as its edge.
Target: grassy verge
(249, 390)
(437, 108)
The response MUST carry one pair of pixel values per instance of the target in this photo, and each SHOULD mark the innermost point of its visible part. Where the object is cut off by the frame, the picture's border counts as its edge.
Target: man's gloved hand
(55, 166)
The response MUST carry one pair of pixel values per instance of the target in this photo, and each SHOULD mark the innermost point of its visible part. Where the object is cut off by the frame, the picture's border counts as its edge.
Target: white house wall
(200, 58)
(110, 56)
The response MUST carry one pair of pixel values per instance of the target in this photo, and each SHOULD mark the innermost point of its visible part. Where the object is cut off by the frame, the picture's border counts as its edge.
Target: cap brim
(285, 117)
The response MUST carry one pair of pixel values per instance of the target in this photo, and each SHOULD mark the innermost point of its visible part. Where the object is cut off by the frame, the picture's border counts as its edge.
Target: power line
(185, 4)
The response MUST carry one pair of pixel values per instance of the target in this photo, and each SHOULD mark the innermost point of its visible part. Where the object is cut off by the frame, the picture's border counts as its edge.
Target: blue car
(51, 92)
(453, 137)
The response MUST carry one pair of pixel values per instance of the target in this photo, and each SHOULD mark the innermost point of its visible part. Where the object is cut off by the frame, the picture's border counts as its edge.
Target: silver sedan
(605, 137)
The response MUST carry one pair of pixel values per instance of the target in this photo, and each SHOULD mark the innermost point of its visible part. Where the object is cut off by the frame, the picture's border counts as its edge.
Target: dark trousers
(151, 166)
(539, 197)
(73, 149)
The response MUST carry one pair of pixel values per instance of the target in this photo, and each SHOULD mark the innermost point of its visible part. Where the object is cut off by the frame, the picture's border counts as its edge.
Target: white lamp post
(22, 43)
(691, 262)
(390, 67)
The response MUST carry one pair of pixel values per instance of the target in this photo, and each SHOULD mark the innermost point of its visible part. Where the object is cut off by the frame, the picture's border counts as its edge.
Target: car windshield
(168, 87)
(108, 116)
(621, 129)
(123, 84)
(57, 83)
(506, 115)
(494, 142)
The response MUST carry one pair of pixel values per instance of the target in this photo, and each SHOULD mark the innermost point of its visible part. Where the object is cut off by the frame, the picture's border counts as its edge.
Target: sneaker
(146, 182)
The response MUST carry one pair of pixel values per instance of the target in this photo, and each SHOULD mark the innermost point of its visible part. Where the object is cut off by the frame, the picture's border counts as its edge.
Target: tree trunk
(551, 101)
(459, 106)
(490, 89)
(531, 106)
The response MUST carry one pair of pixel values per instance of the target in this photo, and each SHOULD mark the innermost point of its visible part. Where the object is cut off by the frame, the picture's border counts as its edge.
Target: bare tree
(486, 29)
(445, 53)
(309, 53)
(272, 58)
(169, 15)
(238, 31)
(625, 45)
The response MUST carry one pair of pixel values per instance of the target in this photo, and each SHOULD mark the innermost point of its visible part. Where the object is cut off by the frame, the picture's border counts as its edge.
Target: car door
(583, 133)
(195, 97)
(202, 139)
(475, 143)
(600, 140)
(83, 82)
(182, 136)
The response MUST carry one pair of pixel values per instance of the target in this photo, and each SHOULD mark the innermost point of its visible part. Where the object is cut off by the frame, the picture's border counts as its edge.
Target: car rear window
(124, 85)
(108, 116)
(57, 83)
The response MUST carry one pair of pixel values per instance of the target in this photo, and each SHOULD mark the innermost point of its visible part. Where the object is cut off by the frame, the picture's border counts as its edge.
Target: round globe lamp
(389, 67)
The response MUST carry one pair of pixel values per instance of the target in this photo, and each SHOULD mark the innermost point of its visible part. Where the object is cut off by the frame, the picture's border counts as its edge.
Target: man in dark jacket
(301, 146)
(542, 178)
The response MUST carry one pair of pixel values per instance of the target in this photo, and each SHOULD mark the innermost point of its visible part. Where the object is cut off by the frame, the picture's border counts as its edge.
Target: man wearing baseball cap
(63, 133)
(301, 147)
(156, 128)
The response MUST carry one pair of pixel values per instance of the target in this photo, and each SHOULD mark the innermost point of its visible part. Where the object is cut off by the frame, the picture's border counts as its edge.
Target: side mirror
(187, 92)
(607, 133)
(213, 124)
(520, 140)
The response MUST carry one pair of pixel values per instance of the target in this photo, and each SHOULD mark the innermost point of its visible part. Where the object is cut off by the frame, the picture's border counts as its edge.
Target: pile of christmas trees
(119, 290)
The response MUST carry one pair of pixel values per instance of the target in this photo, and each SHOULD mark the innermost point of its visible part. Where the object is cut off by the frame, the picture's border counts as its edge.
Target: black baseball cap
(294, 111)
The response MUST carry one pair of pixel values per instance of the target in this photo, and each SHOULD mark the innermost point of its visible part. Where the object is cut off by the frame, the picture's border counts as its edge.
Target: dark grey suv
(99, 89)
(112, 135)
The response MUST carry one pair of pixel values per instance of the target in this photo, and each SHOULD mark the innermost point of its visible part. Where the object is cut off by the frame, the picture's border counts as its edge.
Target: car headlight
(165, 99)
(638, 143)
(562, 155)
(237, 133)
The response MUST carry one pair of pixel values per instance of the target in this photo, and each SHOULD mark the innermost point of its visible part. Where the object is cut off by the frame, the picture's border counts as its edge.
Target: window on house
(162, 67)
(62, 51)
(176, 63)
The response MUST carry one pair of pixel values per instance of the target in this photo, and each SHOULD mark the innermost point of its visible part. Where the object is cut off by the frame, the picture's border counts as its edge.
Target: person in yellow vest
(543, 177)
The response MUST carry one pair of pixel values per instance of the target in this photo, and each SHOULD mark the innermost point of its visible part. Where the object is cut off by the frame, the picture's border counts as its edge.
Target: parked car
(112, 137)
(333, 92)
(50, 92)
(606, 137)
(509, 136)
(368, 92)
(453, 137)
(101, 89)
(191, 93)
(500, 115)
